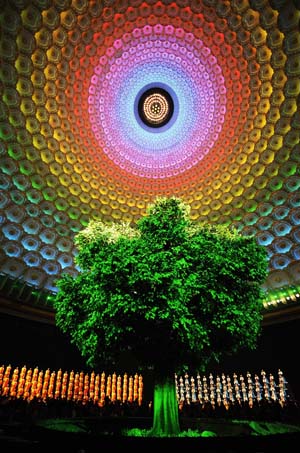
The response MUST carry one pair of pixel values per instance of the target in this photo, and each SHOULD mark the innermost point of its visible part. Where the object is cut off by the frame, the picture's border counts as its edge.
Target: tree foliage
(173, 293)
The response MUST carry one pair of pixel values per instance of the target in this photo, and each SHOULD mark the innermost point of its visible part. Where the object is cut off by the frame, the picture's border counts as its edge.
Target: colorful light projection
(74, 147)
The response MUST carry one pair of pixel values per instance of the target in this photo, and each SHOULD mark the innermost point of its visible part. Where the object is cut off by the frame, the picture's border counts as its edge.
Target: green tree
(175, 294)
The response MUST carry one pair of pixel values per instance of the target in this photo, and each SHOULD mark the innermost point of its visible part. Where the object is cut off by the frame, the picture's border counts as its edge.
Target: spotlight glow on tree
(174, 294)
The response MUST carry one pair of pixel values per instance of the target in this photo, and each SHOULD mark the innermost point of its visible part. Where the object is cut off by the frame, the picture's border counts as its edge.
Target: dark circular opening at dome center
(155, 107)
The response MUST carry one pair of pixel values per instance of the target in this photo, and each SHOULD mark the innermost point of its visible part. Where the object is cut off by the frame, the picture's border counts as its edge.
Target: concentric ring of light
(172, 98)
(196, 84)
(155, 107)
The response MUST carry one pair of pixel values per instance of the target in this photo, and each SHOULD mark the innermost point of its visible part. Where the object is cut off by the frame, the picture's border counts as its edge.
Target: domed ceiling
(106, 105)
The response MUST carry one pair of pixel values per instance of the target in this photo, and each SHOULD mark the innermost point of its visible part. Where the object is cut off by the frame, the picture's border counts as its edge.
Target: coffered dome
(106, 105)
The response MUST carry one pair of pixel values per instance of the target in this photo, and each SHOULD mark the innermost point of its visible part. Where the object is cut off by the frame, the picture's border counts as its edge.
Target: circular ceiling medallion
(155, 107)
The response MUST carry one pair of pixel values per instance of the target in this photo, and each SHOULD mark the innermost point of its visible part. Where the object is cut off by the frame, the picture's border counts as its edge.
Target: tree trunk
(165, 408)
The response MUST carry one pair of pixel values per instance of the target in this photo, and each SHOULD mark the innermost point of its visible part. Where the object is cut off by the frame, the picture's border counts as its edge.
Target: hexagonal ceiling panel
(107, 104)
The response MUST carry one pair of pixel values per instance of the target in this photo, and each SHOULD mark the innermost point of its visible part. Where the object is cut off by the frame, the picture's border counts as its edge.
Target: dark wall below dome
(30, 343)
(277, 348)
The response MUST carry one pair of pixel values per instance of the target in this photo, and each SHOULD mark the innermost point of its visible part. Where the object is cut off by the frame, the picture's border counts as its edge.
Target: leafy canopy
(173, 293)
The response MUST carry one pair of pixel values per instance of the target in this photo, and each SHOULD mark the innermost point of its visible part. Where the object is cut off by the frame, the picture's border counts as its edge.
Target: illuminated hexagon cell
(107, 105)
